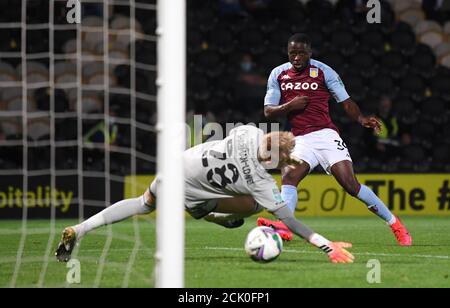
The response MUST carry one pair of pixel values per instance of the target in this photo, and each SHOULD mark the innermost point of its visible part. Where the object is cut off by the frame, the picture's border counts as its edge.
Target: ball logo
(299, 86)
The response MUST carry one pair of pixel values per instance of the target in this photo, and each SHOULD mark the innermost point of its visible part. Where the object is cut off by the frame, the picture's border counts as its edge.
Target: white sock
(290, 196)
(115, 213)
(392, 221)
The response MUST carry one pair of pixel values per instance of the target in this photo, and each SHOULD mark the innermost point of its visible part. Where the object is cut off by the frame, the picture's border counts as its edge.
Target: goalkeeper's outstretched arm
(335, 250)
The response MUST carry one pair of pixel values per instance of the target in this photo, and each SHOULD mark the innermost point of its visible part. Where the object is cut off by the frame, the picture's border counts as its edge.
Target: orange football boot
(285, 235)
(278, 226)
(401, 233)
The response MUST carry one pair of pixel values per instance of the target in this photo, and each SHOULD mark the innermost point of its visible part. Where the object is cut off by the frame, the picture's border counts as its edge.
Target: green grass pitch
(215, 256)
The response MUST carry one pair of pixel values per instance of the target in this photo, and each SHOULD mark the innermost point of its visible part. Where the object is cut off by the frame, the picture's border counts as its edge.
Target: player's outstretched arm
(353, 111)
(336, 251)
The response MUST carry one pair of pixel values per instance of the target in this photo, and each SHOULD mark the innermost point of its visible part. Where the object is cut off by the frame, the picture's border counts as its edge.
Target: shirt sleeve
(267, 194)
(273, 94)
(335, 85)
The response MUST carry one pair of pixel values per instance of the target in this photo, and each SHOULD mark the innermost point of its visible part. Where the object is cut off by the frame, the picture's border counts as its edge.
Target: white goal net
(78, 102)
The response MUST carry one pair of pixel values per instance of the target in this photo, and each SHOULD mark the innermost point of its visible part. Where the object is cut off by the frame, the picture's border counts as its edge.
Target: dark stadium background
(405, 59)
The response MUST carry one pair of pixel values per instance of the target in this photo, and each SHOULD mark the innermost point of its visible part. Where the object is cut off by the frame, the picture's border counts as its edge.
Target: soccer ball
(263, 244)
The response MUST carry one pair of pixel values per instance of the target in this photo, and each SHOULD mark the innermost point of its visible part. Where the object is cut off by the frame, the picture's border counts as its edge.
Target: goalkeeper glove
(335, 250)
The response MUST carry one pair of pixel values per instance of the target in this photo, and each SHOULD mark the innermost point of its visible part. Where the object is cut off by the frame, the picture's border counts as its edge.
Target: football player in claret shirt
(300, 90)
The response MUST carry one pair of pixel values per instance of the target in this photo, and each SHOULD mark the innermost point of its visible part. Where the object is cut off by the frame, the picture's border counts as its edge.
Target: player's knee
(291, 178)
(352, 187)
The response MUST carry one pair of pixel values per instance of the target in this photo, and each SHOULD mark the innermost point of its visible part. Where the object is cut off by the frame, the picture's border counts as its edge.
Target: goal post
(171, 82)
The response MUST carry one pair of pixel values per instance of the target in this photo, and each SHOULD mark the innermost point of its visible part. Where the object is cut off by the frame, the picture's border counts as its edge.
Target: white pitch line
(4, 260)
(356, 254)
(403, 255)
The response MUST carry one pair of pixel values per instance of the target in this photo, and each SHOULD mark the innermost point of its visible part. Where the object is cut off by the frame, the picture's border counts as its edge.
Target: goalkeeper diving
(225, 182)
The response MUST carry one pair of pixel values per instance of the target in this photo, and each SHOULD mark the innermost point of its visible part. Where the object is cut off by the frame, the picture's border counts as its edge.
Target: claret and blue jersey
(318, 82)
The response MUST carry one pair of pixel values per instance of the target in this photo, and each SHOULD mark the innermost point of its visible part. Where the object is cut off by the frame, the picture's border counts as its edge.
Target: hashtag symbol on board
(444, 196)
